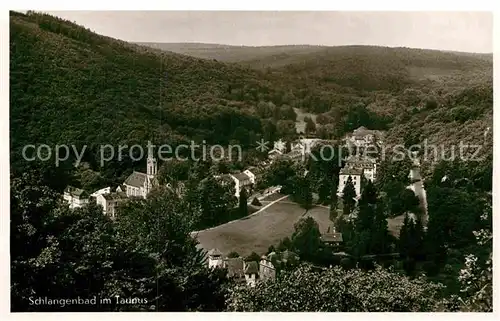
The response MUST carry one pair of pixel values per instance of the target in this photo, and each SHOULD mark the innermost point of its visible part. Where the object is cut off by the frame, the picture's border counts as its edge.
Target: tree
(410, 242)
(216, 200)
(279, 172)
(243, 202)
(306, 240)
(286, 128)
(178, 280)
(256, 202)
(253, 257)
(146, 253)
(310, 125)
(173, 170)
(401, 199)
(453, 216)
(233, 255)
(371, 225)
(337, 290)
(301, 191)
(285, 244)
(333, 197)
(348, 197)
(476, 278)
(325, 190)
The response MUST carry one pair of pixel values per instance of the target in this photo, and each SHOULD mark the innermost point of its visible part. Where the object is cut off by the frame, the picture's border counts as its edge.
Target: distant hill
(228, 53)
(348, 68)
(443, 97)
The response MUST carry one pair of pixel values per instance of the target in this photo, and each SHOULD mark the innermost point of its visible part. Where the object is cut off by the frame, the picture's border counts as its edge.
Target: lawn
(258, 232)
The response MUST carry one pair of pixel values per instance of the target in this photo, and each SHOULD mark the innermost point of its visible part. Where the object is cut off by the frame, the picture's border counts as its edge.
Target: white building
(355, 175)
(305, 145)
(140, 184)
(240, 181)
(252, 176)
(110, 202)
(235, 266)
(363, 137)
(251, 273)
(366, 164)
(75, 197)
(266, 269)
(215, 259)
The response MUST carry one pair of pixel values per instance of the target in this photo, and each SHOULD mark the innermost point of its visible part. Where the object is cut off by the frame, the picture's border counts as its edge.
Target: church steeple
(152, 167)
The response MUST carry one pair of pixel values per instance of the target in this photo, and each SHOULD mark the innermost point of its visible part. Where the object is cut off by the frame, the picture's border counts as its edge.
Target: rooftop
(252, 268)
(234, 267)
(214, 252)
(255, 170)
(241, 177)
(136, 179)
(351, 171)
(78, 192)
(116, 196)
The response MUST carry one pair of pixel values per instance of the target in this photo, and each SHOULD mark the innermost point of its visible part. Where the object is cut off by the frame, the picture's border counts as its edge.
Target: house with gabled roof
(75, 197)
(254, 173)
(240, 181)
(251, 273)
(362, 137)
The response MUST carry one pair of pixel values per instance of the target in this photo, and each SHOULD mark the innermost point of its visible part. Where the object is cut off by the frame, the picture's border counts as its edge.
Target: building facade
(366, 164)
(110, 202)
(140, 184)
(355, 175)
(75, 197)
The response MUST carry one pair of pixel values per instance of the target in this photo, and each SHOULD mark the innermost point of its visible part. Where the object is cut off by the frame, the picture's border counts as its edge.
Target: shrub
(256, 202)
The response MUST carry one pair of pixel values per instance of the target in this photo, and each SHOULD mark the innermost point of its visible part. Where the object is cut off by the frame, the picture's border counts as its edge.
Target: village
(357, 168)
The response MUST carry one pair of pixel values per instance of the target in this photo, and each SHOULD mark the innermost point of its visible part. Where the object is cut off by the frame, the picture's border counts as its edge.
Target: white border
(310, 5)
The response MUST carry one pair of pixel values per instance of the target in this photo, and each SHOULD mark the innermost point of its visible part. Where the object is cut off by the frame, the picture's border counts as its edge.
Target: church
(140, 184)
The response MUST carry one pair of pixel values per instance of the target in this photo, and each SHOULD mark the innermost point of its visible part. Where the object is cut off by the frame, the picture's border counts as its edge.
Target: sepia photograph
(250, 161)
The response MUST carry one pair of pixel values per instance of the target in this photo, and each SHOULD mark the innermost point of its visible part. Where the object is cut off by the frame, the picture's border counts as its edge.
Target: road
(418, 188)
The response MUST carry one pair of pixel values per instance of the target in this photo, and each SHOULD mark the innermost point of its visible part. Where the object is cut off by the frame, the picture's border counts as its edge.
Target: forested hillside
(71, 86)
(425, 93)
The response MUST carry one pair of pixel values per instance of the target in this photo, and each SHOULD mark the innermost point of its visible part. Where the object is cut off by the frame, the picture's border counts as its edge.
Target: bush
(256, 202)
(233, 255)
(346, 263)
(333, 290)
(254, 257)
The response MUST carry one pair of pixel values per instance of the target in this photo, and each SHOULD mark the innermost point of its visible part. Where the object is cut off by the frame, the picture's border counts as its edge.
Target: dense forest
(69, 85)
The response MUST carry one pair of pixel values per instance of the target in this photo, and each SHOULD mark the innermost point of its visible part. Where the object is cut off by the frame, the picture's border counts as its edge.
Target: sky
(458, 31)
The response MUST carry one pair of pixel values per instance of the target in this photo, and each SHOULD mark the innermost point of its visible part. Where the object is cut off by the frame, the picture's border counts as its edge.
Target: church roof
(136, 179)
